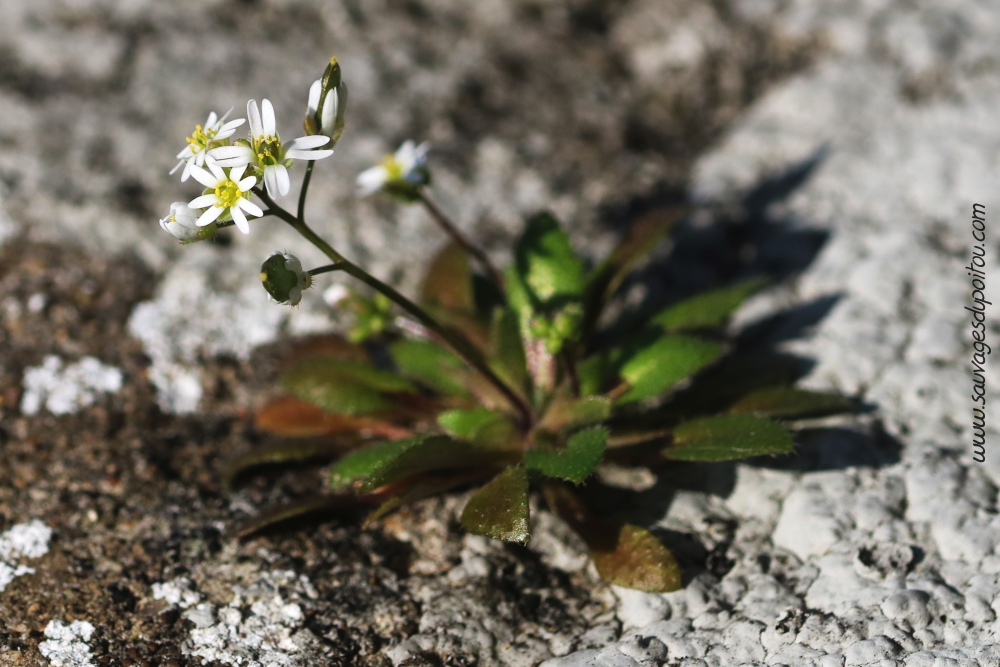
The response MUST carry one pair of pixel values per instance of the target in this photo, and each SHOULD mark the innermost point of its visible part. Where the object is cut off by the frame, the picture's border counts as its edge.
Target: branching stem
(462, 347)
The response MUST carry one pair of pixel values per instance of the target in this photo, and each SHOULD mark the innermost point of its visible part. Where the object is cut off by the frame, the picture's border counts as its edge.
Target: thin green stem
(305, 186)
(458, 237)
(462, 347)
(326, 268)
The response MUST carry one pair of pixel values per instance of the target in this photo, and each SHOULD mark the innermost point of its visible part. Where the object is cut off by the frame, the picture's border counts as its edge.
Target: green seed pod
(283, 278)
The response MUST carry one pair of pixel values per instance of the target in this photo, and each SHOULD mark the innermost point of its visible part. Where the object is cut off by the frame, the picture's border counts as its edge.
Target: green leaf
(657, 367)
(483, 427)
(546, 262)
(429, 454)
(790, 403)
(431, 365)
(707, 310)
(645, 235)
(568, 412)
(583, 452)
(630, 556)
(363, 462)
(448, 282)
(500, 509)
(508, 359)
(345, 387)
(596, 373)
(728, 437)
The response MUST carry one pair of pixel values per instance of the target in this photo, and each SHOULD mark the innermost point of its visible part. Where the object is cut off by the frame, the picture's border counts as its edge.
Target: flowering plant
(501, 379)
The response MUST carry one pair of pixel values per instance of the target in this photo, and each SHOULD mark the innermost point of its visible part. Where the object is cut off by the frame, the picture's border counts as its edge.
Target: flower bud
(284, 279)
(181, 223)
(327, 104)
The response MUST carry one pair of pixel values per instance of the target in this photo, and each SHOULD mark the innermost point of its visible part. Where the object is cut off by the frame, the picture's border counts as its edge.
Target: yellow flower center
(228, 192)
(268, 150)
(200, 138)
(392, 167)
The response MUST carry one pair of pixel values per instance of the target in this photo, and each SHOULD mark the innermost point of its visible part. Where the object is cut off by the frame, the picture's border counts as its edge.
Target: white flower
(230, 195)
(182, 222)
(214, 130)
(266, 154)
(404, 167)
(283, 278)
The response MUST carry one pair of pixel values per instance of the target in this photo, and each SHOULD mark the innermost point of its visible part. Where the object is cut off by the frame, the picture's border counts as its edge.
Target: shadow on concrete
(752, 239)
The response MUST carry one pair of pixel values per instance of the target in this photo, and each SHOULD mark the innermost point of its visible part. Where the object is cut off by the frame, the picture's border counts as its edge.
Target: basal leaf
(345, 387)
(328, 345)
(422, 488)
(595, 373)
(583, 452)
(710, 309)
(430, 454)
(508, 359)
(448, 282)
(654, 369)
(363, 462)
(790, 403)
(500, 509)
(292, 451)
(292, 417)
(569, 412)
(645, 235)
(624, 554)
(728, 437)
(630, 556)
(546, 262)
(483, 427)
(301, 508)
(431, 365)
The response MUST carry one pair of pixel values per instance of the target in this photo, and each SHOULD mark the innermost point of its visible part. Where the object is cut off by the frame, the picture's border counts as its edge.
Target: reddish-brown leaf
(292, 417)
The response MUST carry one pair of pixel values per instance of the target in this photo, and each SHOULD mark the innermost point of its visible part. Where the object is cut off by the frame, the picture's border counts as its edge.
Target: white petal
(174, 170)
(271, 180)
(188, 166)
(217, 170)
(329, 111)
(202, 176)
(283, 181)
(305, 143)
(212, 118)
(226, 115)
(209, 216)
(239, 219)
(203, 201)
(308, 155)
(314, 91)
(371, 180)
(185, 154)
(267, 115)
(253, 115)
(247, 183)
(250, 207)
(232, 153)
(236, 173)
(420, 152)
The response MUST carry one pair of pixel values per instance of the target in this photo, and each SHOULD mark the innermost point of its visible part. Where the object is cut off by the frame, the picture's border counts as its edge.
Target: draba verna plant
(499, 379)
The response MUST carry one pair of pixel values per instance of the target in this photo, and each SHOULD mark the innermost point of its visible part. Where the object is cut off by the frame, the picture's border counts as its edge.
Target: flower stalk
(445, 222)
